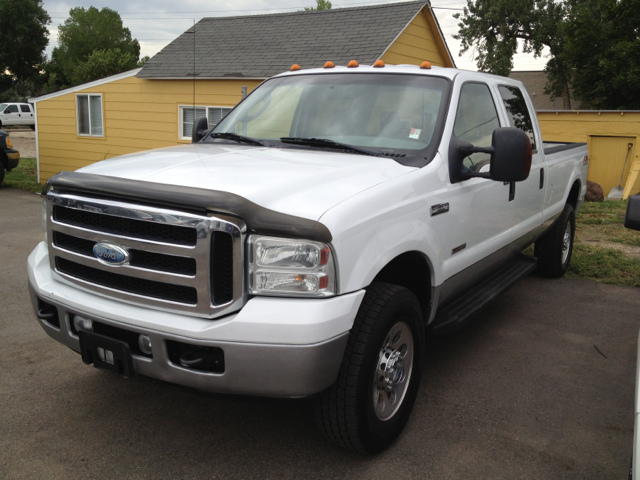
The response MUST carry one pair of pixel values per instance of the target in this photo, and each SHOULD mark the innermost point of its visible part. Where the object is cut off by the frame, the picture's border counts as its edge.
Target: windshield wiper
(326, 143)
(237, 138)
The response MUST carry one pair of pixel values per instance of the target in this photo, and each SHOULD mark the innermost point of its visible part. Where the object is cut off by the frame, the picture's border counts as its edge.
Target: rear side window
(25, 108)
(476, 120)
(519, 116)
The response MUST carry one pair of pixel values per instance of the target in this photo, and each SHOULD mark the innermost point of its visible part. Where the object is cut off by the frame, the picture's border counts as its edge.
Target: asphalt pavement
(540, 386)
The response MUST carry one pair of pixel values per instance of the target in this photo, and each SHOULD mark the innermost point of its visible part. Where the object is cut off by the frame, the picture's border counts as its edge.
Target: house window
(89, 115)
(190, 113)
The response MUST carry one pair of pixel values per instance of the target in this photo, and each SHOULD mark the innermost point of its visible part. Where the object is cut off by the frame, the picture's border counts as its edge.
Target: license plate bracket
(106, 354)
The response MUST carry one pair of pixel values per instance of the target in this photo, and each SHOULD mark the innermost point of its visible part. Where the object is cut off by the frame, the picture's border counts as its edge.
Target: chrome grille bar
(135, 218)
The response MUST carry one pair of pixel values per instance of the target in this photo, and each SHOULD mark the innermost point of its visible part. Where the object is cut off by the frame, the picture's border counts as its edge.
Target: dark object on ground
(9, 158)
(594, 192)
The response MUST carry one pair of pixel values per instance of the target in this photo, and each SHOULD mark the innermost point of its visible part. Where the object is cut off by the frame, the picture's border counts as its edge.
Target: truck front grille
(125, 283)
(176, 261)
(143, 226)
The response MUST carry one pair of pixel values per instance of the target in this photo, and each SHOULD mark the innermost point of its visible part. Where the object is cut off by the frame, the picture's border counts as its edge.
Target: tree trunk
(566, 98)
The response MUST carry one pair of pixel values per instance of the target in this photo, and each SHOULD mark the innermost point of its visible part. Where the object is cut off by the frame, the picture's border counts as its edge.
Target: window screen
(215, 114)
(89, 115)
(518, 112)
(189, 114)
(476, 120)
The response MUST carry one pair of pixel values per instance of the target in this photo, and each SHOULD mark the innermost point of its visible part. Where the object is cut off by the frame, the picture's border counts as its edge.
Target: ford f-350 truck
(305, 244)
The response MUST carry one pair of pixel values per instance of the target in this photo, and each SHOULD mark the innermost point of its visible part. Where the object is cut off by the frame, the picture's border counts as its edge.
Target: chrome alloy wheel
(393, 373)
(566, 243)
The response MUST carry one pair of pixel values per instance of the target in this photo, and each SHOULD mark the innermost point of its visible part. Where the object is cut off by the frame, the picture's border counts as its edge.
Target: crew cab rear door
(526, 197)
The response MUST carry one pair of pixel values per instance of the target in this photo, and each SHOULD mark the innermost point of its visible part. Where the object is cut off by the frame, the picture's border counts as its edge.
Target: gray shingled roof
(534, 81)
(264, 45)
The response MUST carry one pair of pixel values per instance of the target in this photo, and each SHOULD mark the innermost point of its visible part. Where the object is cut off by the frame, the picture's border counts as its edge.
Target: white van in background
(17, 114)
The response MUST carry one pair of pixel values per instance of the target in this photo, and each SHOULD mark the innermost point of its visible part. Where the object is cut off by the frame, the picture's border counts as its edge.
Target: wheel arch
(414, 271)
(574, 194)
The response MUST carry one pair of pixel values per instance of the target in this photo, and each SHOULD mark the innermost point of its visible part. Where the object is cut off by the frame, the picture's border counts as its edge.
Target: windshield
(385, 113)
(2, 106)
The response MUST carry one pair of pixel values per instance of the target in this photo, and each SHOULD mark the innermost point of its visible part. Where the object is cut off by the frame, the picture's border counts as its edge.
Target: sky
(157, 23)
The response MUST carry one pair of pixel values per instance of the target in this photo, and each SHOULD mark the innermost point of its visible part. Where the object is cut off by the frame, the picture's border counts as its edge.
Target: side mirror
(200, 127)
(511, 155)
(632, 218)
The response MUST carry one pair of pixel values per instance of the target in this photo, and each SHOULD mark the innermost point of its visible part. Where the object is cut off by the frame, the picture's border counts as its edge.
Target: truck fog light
(81, 323)
(144, 342)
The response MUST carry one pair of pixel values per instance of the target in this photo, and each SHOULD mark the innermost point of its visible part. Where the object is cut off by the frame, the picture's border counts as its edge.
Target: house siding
(418, 42)
(607, 135)
(138, 115)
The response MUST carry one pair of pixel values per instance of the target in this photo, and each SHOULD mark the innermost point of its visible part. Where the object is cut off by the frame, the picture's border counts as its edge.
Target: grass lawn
(604, 251)
(24, 176)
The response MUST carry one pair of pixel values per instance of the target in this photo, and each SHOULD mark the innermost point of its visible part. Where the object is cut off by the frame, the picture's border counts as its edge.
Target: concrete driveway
(522, 392)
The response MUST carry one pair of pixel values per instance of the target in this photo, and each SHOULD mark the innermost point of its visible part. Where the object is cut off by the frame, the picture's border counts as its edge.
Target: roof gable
(260, 46)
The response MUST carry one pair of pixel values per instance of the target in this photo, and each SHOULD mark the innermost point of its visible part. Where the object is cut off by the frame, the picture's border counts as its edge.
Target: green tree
(23, 38)
(92, 44)
(496, 28)
(320, 5)
(603, 48)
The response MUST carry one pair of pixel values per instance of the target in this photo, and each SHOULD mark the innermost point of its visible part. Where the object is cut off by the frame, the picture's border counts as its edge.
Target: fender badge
(439, 209)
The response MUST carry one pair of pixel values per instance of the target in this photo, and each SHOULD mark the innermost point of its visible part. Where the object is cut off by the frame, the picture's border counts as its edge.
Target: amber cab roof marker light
(353, 64)
(425, 65)
(379, 64)
(295, 67)
(329, 64)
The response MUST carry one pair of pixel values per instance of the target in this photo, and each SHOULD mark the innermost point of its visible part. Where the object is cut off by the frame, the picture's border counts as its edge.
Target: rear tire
(32, 127)
(370, 403)
(1, 174)
(553, 250)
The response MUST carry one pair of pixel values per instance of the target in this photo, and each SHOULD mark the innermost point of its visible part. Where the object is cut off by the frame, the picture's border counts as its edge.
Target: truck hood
(296, 181)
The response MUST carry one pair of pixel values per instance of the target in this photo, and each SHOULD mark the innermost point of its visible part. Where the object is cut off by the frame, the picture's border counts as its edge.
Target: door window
(25, 108)
(12, 109)
(476, 120)
(516, 106)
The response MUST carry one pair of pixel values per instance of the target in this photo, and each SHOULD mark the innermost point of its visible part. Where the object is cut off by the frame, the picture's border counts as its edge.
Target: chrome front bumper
(292, 369)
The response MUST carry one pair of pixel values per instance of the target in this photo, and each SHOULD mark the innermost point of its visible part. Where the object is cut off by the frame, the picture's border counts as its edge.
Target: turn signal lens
(9, 145)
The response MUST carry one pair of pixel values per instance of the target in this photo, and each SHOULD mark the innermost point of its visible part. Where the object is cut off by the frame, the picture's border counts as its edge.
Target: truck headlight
(288, 267)
(44, 218)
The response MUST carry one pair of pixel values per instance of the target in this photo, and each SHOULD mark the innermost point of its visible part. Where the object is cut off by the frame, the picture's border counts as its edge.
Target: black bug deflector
(258, 219)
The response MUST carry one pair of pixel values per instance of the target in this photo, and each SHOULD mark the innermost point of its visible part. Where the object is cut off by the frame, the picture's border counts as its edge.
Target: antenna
(194, 72)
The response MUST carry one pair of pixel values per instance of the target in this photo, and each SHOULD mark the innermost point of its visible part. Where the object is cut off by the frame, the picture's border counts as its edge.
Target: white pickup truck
(306, 244)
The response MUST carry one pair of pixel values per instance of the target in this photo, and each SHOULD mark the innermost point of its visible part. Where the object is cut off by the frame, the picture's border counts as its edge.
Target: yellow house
(612, 138)
(210, 67)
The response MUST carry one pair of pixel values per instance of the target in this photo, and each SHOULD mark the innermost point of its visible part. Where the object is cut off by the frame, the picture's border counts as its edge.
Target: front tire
(1, 174)
(370, 403)
(553, 250)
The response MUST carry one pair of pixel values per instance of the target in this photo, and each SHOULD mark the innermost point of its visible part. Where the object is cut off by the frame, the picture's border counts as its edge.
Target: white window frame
(182, 108)
(88, 95)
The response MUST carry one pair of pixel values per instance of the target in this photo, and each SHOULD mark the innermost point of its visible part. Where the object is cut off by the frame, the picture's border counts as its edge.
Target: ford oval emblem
(110, 254)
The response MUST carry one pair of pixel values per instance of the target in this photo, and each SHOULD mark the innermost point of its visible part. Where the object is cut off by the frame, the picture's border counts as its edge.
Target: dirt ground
(24, 141)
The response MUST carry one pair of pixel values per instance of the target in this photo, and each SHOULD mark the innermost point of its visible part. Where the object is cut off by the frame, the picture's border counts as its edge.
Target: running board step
(453, 316)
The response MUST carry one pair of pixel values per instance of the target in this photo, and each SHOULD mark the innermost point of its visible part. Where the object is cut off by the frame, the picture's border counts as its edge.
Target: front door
(477, 225)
